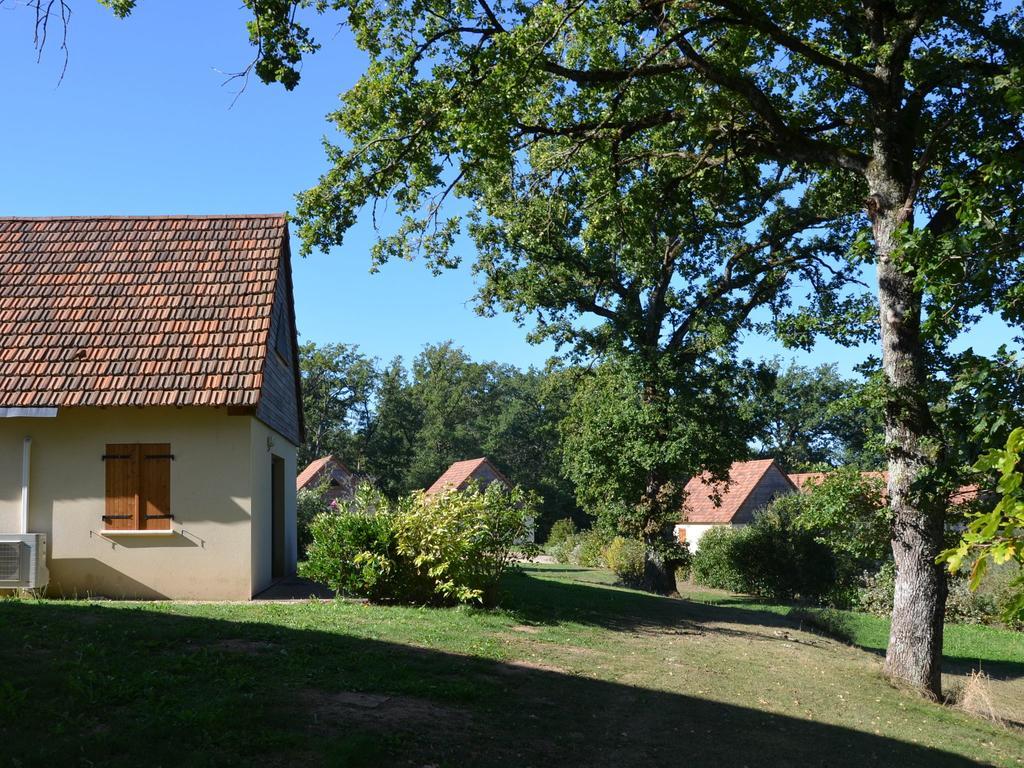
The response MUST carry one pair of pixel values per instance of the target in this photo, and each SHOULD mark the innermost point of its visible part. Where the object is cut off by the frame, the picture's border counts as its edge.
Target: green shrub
(876, 591)
(771, 558)
(963, 606)
(463, 541)
(714, 564)
(560, 531)
(354, 551)
(846, 512)
(445, 549)
(589, 547)
(625, 558)
(562, 551)
(308, 504)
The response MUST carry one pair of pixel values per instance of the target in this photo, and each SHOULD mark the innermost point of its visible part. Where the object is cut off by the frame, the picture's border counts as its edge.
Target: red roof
(744, 476)
(800, 479)
(136, 311)
(961, 495)
(458, 475)
(312, 473)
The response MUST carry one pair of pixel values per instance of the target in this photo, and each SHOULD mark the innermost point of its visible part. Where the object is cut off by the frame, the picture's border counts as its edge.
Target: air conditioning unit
(23, 561)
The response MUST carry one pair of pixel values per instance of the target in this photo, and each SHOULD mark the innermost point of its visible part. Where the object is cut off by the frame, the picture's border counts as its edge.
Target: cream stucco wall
(695, 532)
(215, 489)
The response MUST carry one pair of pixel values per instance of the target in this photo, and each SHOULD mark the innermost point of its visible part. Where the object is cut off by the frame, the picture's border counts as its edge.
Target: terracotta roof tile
(803, 480)
(700, 505)
(458, 475)
(136, 310)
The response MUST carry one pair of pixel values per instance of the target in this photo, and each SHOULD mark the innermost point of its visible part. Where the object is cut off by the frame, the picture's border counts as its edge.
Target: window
(138, 486)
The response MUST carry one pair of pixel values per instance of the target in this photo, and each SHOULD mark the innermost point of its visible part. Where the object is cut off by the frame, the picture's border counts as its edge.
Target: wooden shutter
(122, 461)
(154, 486)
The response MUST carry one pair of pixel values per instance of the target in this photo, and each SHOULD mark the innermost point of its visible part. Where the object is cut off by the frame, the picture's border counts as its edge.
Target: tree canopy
(642, 177)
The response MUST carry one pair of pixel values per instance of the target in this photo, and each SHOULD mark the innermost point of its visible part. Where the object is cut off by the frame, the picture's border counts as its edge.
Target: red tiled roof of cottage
(802, 480)
(312, 472)
(458, 475)
(700, 506)
(136, 311)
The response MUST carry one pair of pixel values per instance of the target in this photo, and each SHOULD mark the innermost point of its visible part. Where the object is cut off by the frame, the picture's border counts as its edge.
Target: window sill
(161, 532)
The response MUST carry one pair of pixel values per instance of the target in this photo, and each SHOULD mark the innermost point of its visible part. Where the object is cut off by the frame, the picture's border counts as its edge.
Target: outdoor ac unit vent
(23, 561)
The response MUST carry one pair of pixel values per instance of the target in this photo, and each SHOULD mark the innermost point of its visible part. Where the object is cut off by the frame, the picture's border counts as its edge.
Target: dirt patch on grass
(526, 629)
(521, 665)
(381, 711)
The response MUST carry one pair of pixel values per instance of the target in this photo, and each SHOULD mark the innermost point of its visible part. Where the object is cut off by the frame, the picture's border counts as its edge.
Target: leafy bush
(625, 558)
(965, 606)
(714, 564)
(589, 548)
(354, 550)
(877, 588)
(562, 550)
(308, 504)
(771, 557)
(464, 541)
(584, 548)
(846, 512)
(444, 549)
(560, 531)
(986, 605)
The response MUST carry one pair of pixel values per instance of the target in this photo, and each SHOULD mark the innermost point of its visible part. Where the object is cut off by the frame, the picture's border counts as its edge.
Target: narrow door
(277, 517)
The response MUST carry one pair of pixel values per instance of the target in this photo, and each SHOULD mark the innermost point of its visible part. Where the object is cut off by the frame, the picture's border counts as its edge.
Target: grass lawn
(572, 672)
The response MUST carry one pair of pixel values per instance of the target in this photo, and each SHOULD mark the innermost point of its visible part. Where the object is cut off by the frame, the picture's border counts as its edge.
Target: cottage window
(138, 486)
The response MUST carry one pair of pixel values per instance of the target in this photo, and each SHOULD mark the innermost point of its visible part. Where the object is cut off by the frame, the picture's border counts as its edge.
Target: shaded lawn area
(962, 643)
(569, 673)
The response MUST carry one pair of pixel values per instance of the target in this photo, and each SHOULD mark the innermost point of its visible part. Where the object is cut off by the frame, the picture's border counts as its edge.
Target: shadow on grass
(86, 684)
(547, 600)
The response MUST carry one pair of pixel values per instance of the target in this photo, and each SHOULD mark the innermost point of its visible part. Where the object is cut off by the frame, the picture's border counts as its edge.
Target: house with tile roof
(338, 481)
(150, 402)
(708, 504)
(462, 473)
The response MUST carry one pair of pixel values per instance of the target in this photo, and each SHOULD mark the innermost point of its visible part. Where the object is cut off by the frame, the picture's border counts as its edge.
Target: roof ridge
(150, 217)
(753, 485)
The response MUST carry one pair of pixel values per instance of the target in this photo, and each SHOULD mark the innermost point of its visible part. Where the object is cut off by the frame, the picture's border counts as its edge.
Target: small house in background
(752, 485)
(460, 474)
(337, 480)
(149, 405)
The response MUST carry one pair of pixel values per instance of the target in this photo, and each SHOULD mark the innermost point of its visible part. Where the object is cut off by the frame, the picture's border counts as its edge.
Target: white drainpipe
(26, 456)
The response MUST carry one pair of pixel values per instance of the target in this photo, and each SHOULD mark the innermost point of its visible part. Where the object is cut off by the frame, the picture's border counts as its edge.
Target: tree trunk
(914, 654)
(659, 576)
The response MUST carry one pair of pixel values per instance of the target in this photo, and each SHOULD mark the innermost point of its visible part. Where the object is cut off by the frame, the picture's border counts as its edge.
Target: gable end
(280, 404)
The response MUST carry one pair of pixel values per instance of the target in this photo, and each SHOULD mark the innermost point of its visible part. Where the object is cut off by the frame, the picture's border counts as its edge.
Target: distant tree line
(403, 423)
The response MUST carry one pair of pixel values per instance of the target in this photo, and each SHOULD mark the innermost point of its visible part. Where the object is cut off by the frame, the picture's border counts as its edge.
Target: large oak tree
(898, 118)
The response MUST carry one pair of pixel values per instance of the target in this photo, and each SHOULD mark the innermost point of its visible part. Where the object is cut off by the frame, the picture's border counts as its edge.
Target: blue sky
(141, 124)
